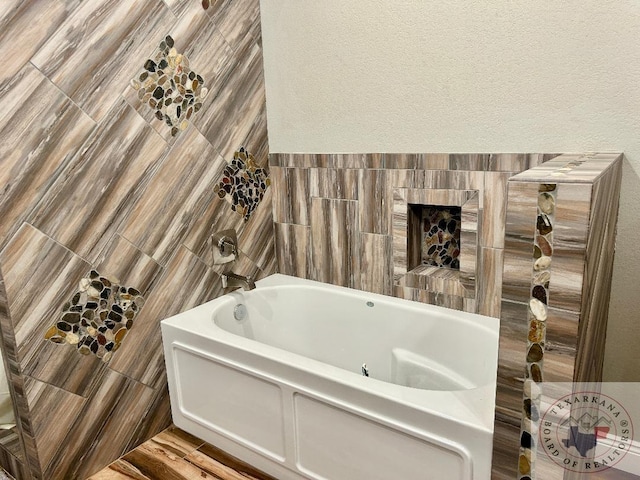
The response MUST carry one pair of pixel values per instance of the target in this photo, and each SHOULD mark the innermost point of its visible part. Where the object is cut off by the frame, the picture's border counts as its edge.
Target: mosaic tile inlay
(441, 236)
(538, 305)
(97, 317)
(243, 183)
(170, 87)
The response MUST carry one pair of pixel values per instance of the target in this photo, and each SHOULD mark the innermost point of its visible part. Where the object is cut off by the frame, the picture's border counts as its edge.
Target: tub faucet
(230, 279)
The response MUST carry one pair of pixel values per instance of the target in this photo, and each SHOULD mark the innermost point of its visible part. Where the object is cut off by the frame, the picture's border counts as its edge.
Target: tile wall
(559, 248)
(344, 219)
(119, 120)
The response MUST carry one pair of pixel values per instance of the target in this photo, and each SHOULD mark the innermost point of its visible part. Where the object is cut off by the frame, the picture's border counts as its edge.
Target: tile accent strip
(243, 183)
(538, 307)
(97, 317)
(170, 87)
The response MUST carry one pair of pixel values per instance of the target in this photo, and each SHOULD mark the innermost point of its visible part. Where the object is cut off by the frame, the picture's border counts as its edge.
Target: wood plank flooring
(176, 455)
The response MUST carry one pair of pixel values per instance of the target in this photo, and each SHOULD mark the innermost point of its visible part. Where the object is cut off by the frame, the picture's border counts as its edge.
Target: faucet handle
(224, 246)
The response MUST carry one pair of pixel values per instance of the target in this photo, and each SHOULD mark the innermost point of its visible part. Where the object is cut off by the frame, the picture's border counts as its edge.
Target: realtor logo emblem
(586, 432)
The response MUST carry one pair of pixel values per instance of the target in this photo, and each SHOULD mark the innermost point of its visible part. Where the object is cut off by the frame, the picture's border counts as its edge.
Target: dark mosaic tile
(441, 236)
(169, 87)
(97, 317)
(243, 183)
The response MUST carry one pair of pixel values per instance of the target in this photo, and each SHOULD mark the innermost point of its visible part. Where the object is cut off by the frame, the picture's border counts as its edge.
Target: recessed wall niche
(435, 237)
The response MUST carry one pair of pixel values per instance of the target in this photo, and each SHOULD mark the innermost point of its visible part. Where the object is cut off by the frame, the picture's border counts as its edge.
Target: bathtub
(277, 377)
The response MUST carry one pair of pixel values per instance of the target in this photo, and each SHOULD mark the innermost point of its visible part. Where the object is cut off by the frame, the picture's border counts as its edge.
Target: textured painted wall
(460, 76)
(119, 122)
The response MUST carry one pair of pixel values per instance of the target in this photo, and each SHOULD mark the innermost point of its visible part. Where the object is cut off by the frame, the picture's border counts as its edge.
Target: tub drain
(239, 312)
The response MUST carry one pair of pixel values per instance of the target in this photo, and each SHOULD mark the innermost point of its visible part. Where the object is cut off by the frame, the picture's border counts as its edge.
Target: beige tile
(333, 183)
(490, 282)
(239, 22)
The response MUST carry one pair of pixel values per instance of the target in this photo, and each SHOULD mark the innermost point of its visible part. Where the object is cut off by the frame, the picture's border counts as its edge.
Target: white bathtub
(283, 388)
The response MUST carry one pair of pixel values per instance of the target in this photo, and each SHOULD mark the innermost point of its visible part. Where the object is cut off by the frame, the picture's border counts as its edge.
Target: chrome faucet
(231, 280)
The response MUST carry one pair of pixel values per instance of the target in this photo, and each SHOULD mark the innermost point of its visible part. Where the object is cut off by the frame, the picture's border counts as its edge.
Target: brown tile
(290, 195)
(293, 249)
(35, 146)
(570, 230)
(490, 281)
(174, 197)
(24, 27)
(53, 412)
(213, 460)
(114, 409)
(123, 153)
(374, 202)
(335, 256)
(239, 22)
(185, 283)
(256, 241)
(469, 161)
(333, 183)
(92, 71)
(495, 209)
(376, 268)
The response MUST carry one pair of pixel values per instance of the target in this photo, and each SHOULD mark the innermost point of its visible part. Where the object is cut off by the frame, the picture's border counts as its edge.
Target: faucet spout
(231, 280)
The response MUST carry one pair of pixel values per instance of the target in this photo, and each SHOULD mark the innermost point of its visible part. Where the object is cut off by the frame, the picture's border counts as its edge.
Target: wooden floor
(177, 455)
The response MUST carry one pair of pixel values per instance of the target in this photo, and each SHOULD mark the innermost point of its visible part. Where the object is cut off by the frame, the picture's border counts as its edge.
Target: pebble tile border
(169, 87)
(441, 236)
(538, 305)
(97, 317)
(243, 183)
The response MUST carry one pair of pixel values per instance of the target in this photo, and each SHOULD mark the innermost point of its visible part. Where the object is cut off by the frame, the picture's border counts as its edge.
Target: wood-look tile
(335, 256)
(570, 168)
(376, 263)
(403, 178)
(505, 456)
(127, 263)
(213, 460)
(455, 180)
(157, 419)
(598, 272)
(257, 240)
(495, 209)
(519, 237)
(35, 146)
(469, 161)
(208, 55)
(231, 113)
(239, 22)
(290, 195)
(490, 281)
(333, 183)
(514, 328)
(30, 261)
(24, 27)
(99, 48)
(113, 409)
(185, 283)
(293, 247)
(53, 412)
(175, 196)
(433, 161)
(101, 184)
(375, 202)
(560, 345)
(570, 230)
(470, 227)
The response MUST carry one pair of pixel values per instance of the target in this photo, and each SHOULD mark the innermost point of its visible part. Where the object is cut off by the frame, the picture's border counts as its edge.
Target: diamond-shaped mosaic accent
(441, 240)
(97, 317)
(169, 87)
(243, 183)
